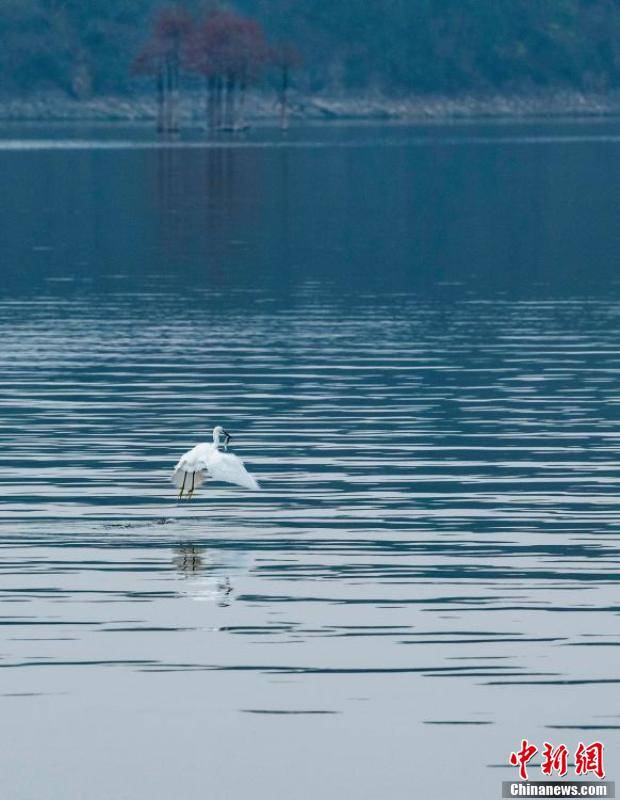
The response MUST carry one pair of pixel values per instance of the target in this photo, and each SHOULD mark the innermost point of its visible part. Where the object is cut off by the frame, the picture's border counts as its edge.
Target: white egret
(190, 470)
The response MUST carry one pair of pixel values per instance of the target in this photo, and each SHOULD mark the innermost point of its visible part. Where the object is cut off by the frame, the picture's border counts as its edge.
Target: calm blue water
(413, 335)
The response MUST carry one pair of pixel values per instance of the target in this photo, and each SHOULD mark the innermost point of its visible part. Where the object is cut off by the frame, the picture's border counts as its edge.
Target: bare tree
(285, 58)
(162, 57)
(229, 51)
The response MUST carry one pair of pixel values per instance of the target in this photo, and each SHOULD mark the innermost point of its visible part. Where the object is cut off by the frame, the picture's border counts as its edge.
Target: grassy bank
(52, 107)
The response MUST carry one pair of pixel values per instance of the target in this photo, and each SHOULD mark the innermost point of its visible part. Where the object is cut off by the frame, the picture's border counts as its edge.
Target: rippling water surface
(413, 336)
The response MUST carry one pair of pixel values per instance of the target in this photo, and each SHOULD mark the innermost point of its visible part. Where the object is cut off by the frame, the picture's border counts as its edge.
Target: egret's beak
(227, 438)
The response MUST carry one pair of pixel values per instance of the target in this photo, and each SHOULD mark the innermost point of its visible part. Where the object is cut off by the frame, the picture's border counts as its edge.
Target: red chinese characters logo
(589, 759)
(522, 757)
(554, 760)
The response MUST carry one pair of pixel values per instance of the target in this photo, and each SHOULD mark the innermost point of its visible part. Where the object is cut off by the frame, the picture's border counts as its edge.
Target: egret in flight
(207, 458)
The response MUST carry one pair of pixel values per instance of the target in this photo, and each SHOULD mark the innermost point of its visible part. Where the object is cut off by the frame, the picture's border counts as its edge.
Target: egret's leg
(191, 491)
(183, 486)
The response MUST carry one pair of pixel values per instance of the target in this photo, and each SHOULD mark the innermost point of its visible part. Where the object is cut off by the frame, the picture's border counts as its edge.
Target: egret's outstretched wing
(227, 467)
(191, 467)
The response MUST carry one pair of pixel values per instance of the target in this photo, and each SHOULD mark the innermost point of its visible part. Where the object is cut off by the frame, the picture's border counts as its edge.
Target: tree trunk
(174, 95)
(167, 88)
(168, 96)
(160, 100)
(239, 116)
(229, 103)
(284, 99)
(211, 92)
(217, 116)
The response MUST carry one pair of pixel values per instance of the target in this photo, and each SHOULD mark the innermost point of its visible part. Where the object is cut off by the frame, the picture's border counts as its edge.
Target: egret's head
(219, 431)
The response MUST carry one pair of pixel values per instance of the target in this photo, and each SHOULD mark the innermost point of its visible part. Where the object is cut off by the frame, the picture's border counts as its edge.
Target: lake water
(413, 335)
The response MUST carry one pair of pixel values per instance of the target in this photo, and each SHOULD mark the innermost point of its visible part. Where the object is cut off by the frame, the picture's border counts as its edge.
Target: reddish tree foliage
(229, 50)
(229, 44)
(171, 33)
(162, 56)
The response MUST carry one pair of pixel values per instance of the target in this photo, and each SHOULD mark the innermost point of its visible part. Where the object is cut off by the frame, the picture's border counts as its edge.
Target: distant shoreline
(55, 107)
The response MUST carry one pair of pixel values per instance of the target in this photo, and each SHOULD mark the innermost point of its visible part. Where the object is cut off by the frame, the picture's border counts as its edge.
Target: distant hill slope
(398, 46)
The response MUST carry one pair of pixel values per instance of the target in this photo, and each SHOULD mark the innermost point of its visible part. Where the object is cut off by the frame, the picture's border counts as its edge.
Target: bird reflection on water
(189, 559)
(195, 564)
